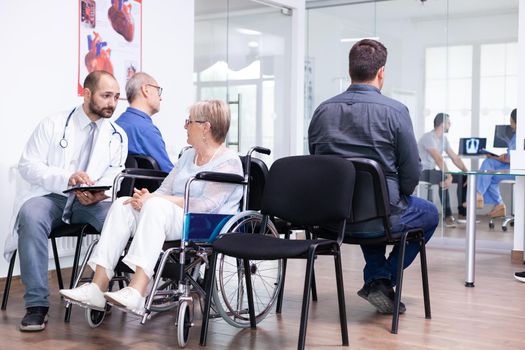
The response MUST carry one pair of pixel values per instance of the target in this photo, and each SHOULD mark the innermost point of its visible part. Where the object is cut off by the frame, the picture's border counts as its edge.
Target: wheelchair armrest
(220, 177)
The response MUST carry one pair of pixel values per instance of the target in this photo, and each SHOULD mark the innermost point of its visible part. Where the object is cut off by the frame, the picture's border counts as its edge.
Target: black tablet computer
(87, 188)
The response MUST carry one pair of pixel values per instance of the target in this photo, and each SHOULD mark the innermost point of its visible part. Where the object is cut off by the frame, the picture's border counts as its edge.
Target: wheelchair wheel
(165, 297)
(229, 295)
(183, 323)
(95, 317)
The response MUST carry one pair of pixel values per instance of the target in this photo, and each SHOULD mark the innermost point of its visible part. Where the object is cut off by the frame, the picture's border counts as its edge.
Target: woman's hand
(139, 198)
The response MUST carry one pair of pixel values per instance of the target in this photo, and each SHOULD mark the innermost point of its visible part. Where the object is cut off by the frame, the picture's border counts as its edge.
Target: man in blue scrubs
(144, 96)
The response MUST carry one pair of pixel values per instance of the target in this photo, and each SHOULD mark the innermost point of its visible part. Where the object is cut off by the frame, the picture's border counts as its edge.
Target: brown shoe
(499, 210)
(480, 203)
(450, 222)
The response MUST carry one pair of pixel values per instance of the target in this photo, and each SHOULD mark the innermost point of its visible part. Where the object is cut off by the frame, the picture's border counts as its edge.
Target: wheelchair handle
(259, 149)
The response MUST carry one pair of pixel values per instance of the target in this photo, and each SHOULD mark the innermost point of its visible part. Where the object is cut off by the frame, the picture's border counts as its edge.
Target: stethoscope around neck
(64, 142)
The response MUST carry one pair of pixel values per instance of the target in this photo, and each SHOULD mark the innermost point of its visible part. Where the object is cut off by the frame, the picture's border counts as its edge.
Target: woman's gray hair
(217, 113)
(135, 83)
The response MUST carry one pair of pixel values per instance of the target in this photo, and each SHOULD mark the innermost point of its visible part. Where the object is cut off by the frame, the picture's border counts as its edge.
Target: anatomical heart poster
(110, 39)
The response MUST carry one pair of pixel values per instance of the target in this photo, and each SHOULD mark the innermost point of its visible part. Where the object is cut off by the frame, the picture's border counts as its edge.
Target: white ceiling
(211, 7)
(389, 8)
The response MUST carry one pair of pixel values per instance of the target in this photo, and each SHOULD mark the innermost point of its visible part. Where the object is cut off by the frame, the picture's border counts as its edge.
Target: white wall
(39, 73)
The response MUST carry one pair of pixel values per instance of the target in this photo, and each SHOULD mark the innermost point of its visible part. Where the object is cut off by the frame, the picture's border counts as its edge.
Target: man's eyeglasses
(159, 89)
(189, 121)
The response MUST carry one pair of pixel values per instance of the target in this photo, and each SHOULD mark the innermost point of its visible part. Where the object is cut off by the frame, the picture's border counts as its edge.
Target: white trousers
(158, 220)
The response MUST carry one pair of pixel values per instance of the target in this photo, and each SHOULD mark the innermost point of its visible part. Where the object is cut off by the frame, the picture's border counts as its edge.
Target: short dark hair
(514, 114)
(92, 79)
(365, 59)
(439, 119)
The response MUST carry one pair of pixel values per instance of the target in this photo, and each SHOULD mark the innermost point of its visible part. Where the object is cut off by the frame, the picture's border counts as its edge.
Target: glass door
(242, 55)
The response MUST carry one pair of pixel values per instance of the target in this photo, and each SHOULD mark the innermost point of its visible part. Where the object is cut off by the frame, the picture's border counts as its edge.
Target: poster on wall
(110, 39)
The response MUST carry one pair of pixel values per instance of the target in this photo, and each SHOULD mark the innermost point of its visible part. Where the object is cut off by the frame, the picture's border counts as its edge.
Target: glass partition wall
(242, 55)
(444, 56)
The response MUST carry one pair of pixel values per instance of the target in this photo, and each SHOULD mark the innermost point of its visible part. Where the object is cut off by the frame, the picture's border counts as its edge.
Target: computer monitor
(502, 135)
(471, 146)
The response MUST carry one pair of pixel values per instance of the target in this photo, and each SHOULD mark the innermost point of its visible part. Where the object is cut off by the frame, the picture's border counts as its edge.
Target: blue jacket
(144, 138)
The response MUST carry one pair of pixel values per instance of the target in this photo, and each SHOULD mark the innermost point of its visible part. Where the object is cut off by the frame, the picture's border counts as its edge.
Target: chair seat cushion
(261, 247)
(72, 230)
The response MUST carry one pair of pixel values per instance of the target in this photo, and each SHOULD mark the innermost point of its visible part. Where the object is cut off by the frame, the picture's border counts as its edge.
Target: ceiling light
(350, 40)
(247, 31)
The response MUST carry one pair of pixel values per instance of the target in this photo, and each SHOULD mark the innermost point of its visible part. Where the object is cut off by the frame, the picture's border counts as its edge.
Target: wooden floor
(489, 316)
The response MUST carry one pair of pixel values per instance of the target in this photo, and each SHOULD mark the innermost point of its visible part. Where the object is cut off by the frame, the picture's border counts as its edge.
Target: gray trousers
(36, 219)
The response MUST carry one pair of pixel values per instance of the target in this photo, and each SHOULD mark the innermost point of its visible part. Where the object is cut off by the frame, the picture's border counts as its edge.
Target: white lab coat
(44, 164)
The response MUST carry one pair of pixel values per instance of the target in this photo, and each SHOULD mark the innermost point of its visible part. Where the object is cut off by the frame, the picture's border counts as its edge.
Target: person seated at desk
(151, 218)
(144, 96)
(488, 185)
(431, 147)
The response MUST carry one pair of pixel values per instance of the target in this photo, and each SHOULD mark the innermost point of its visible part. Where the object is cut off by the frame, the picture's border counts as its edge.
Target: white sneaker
(129, 298)
(520, 276)
(87, 295)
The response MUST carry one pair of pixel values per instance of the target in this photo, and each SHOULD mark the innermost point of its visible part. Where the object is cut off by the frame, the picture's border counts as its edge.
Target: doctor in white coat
(78, 146)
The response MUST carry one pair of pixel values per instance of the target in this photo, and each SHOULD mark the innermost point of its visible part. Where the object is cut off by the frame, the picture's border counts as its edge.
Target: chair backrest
(257, 180)
(141, 162)
(371, 197)
(309, 190)
(136, 161)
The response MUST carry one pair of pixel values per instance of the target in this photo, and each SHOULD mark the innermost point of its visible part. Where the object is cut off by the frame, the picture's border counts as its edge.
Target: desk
(470, 243)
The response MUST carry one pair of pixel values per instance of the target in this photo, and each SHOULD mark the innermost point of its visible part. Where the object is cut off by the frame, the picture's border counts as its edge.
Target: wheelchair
(182, 268)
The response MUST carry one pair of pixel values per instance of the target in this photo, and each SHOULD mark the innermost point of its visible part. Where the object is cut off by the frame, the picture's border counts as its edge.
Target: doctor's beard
(102, 112)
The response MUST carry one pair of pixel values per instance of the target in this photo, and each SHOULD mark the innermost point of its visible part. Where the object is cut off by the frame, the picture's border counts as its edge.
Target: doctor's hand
(90, 197)
(80, 178)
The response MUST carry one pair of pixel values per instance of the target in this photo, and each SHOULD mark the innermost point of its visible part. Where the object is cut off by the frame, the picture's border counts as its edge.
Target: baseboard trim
(516, 257)
(51, 275)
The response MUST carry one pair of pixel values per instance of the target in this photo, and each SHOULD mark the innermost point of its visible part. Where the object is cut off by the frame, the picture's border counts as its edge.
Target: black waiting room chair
(371, 203)
(307, 191)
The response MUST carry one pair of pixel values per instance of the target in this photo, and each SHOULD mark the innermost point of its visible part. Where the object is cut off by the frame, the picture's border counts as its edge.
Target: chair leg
(249, 292)
(57, 263)
(308, 235)
(306, 298)
(314, 287)
(399, 282)
(76, 259)
(207, 305)
(74, 272)
(8, 280)
(341, 294)
(280, 296)
(424, 277)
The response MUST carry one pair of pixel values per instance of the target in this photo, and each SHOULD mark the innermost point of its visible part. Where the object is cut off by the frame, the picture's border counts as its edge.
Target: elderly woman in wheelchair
(152, 218)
